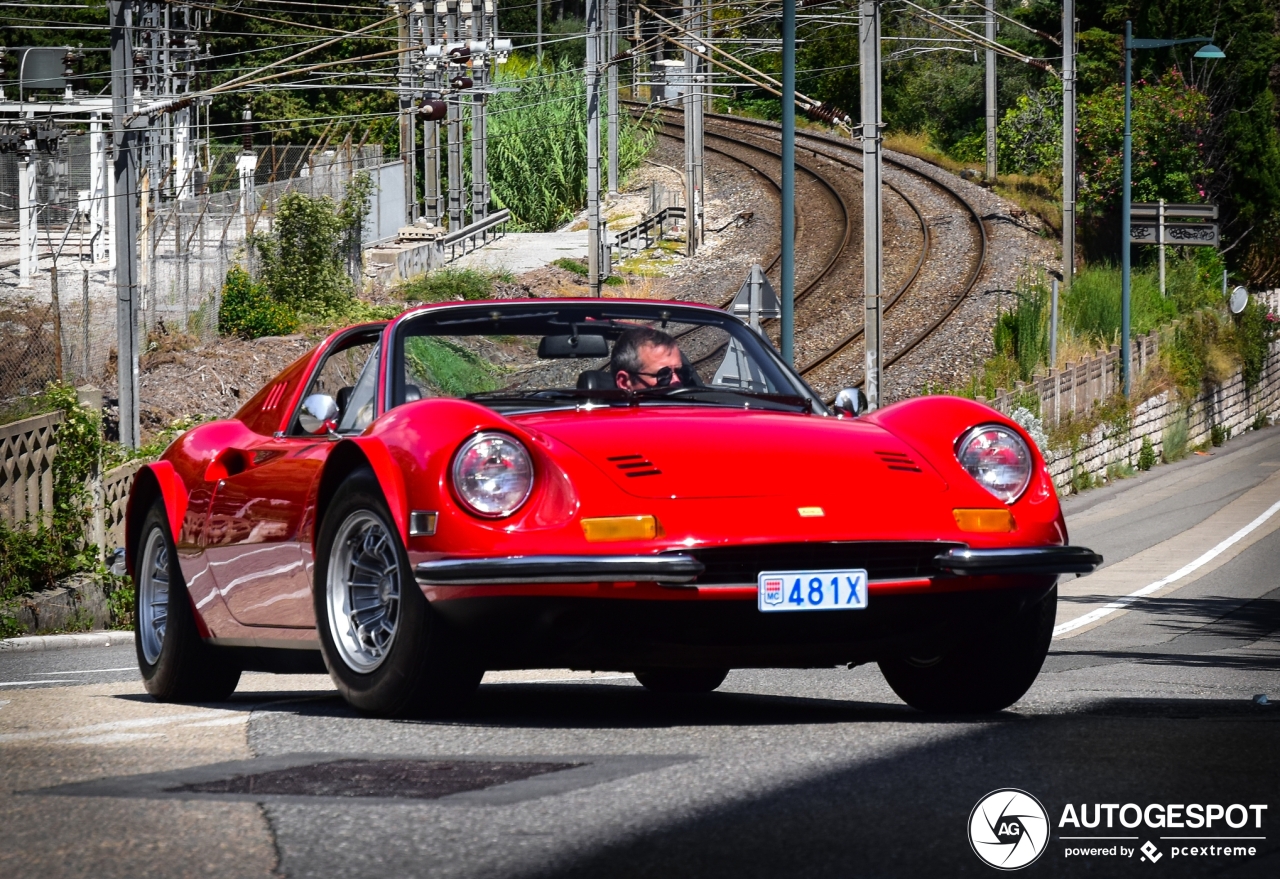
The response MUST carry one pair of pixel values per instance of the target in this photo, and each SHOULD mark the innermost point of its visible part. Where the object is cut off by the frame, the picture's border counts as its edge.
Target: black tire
(681, 680)
(176, 664)
(980, 676)
(412, 664)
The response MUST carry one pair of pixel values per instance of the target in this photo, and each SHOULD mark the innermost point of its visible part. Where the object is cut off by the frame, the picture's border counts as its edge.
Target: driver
(646, 358)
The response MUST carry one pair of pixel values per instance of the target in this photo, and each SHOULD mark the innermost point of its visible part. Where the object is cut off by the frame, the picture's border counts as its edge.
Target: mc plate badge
(811, 590)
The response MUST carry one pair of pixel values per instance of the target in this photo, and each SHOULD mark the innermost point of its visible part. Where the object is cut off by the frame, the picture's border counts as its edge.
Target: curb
(32, 643)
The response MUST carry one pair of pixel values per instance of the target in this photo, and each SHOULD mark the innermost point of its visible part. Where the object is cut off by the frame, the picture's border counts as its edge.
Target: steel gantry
(450, 45)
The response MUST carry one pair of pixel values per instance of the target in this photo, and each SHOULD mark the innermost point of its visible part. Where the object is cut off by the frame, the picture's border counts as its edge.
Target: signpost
(1149, 224)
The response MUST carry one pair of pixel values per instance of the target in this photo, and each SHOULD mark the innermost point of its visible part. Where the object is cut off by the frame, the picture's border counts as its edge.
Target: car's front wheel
(682, 680)
(982, 675)
(386, 651)
(176, 664)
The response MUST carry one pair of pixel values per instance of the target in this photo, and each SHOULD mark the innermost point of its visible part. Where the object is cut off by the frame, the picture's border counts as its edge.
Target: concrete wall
(1228, 405)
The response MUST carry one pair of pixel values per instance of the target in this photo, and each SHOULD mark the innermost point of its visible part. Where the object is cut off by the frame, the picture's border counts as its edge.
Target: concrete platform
(524, 251)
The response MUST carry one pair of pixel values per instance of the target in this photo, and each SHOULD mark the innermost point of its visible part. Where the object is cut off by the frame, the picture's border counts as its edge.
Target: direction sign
(1149, 210)
(1187, 234)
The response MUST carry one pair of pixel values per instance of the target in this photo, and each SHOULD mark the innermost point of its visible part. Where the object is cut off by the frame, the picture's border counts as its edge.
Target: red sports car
(596, 484)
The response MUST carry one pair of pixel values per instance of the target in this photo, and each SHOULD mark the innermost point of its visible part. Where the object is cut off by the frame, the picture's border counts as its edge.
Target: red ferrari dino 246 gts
(501, 485)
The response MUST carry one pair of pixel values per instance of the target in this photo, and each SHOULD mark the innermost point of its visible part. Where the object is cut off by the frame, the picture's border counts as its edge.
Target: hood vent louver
(634, 465)
(899, 461)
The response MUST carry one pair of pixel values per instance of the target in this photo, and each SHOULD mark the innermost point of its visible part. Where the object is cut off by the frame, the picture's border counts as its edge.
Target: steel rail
(979, 263)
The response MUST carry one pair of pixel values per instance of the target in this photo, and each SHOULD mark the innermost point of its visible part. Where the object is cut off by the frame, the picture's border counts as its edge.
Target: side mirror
(319, 411)
(850, 403)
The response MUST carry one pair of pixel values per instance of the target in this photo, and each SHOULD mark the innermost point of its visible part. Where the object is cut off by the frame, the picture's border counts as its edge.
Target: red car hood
(677, 452)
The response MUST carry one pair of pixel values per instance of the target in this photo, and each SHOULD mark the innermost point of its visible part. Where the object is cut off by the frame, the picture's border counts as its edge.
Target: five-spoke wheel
(386, 651)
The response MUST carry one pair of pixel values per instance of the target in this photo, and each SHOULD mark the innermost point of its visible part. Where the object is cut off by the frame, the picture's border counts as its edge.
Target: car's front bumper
(680, 568)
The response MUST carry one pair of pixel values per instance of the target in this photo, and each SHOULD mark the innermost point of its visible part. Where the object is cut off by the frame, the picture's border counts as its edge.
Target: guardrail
(494, 223)
(642, 231)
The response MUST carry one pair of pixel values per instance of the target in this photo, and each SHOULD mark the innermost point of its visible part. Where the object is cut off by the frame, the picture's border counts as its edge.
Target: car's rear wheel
(682, 680)
(388, 653)
(176, 664)
(989, 674)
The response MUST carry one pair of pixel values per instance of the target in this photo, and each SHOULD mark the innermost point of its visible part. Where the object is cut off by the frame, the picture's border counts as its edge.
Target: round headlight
(998, 458)
(493, 474)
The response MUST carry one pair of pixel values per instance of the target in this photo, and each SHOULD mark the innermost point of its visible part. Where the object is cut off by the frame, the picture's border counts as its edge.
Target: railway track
(929, 290)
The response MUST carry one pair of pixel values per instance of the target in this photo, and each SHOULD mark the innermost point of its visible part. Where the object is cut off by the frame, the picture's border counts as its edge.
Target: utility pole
(432, 110)
(28, 226)
(539, 3)
(405, 88)
(991, 92)
(1068, 143)
(479, 133)
(872, 217)
(594, 232)
(125, 222)
(692, 104)
(788, 244)
(611, 52)
(453, 129)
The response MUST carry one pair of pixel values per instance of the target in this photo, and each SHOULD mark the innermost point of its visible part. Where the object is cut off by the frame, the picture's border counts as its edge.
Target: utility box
(670, 81)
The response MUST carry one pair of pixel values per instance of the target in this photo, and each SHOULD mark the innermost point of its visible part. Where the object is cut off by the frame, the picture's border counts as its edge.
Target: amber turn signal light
(620, 528)
(984, 520)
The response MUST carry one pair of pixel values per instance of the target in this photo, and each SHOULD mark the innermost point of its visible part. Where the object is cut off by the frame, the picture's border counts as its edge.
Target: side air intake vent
(899, 461)
(634, 465)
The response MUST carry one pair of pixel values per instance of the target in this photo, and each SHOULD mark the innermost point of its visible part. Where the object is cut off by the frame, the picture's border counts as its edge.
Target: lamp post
(1209, 50)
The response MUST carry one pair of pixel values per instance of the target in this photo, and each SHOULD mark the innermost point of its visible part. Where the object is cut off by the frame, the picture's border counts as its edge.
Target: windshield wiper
(724, 397)
(548, 395)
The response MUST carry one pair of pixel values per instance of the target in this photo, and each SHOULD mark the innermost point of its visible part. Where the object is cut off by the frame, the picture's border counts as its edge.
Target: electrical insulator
(47, 139)
(461, 82)
(827, 113)
(459, 53)
(430, 111)
(246, 128)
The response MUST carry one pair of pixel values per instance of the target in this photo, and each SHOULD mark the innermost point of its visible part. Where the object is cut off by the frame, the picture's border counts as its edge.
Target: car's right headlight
(492, 474)
(998, 459)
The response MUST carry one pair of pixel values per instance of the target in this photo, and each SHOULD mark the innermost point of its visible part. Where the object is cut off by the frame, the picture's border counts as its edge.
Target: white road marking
(30, 683)
(1121, 603)
(566, 680)
(92, 671)
(4, 702)
(225, 721)
(97, 728)
(114, 738)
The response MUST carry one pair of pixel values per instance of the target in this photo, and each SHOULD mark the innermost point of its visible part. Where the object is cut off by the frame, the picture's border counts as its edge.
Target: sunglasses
(662, 378)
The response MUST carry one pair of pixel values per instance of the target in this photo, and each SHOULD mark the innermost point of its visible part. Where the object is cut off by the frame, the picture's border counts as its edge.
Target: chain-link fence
(63, 325)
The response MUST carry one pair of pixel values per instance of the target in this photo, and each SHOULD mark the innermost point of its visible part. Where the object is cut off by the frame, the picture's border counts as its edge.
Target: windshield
(523, 356)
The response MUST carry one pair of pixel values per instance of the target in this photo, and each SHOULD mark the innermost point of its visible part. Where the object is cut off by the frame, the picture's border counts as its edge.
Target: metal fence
(63, 326)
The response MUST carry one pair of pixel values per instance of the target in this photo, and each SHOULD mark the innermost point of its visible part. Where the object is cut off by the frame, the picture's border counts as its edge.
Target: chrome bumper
(1019, 560)
(674, 568)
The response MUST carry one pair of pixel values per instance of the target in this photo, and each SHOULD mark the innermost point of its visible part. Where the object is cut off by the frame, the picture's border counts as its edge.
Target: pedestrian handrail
(494, 223)
(643, 231)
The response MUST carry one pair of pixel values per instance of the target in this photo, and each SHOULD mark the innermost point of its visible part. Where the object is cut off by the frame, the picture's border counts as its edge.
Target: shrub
(1029, 137)
(572, 265)
(1219, 434)
(1174, 445)
(249, 311)
(1146, 455)
(302, 258)
(449, 283)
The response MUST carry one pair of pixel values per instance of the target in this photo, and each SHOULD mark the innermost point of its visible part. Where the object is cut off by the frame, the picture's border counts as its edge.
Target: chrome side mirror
(850, 403)
(319, 411)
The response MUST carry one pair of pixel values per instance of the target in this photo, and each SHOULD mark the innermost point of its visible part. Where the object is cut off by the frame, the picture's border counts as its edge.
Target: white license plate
(778, 591)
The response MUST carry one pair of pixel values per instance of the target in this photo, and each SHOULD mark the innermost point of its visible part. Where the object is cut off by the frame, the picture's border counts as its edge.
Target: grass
(447, 367)
(572, 265)
(451, 283)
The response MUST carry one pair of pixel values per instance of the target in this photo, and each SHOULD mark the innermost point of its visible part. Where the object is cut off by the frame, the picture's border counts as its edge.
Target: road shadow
(907, 814)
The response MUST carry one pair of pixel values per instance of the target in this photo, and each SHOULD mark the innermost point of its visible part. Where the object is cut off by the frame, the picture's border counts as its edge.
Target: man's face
(652, 359)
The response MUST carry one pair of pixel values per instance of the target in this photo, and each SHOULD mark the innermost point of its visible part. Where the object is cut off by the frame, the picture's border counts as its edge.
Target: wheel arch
(364, 453)
(157, 480)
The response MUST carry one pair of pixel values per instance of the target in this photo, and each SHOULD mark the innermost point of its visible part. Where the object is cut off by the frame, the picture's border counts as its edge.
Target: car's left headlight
(998, 458)
(492, 474)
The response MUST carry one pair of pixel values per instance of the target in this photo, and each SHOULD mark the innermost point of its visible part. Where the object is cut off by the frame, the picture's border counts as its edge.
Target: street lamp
(1209, 50)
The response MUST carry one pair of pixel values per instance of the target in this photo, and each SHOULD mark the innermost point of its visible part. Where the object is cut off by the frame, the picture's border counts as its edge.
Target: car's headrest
(597, 380)
(343, 398)
(412, 393)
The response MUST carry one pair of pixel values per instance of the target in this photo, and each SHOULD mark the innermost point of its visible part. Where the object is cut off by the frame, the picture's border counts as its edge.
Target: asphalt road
(780, 773)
